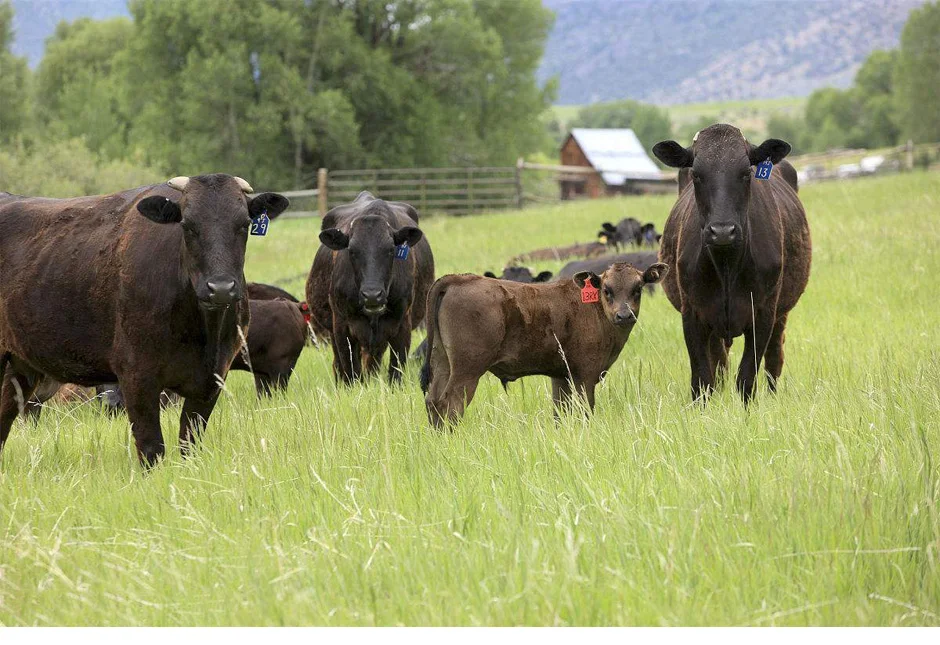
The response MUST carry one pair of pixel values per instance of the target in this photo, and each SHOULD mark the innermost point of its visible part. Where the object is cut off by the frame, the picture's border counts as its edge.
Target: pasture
(342, 507)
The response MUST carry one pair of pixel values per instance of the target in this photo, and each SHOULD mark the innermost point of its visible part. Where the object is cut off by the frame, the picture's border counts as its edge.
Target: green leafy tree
(918, 75)
(14, 80)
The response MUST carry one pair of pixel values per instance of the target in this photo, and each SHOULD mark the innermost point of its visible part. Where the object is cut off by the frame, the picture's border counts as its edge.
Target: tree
(14, 80)
(650, 123)
(918, 75)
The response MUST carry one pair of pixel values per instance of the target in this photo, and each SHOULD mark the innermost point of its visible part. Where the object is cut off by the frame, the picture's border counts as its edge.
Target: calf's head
(722, 169)
(521, 274)
(215, 213)
(371, 243)
(621, 287)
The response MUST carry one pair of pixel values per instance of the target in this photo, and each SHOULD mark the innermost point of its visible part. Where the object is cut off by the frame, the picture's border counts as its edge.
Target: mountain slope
(668, 51)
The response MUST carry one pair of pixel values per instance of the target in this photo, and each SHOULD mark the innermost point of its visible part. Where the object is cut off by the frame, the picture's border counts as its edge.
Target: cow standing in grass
(741, 250)
(369, 283)
(144, 287)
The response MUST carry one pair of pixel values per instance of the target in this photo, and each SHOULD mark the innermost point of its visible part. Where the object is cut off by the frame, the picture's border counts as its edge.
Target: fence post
(321, 191)
(520, 163)
(424, 193)
(909, 150)
(470, 189)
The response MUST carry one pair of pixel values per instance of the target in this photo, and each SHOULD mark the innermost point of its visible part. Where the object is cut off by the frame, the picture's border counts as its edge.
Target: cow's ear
(160, 210)
(773, 149)
(610, 228)
(335, 239)
(489, 274)
(273, 203)
(655, 273)
(410, 234)
(544, 276)
(673, 155)
(581, 277)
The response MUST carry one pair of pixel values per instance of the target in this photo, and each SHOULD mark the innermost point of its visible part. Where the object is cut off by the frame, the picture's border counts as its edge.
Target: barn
(621, 164)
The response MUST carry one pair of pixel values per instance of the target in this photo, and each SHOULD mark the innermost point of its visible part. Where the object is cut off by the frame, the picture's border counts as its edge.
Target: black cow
(520, 274)
(369, 284)
(641, 260)
(741, 251)
(627, 231)
(145, 287)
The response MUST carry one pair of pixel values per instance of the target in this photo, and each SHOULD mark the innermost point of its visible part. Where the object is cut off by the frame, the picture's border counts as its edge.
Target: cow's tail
(438, 289)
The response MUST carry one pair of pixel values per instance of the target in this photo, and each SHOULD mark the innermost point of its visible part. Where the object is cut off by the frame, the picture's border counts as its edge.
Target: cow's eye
(189, 227)
(609, 293)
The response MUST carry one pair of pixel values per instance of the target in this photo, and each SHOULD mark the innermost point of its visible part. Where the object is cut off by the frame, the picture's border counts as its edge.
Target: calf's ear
(273, 203)
(160, 210)
(333, 238)
(581, 277)
(773, 149)
(655, 273)
(544, 276)
(489, 274)
(610, 228)
(409, 234)
(673, 155)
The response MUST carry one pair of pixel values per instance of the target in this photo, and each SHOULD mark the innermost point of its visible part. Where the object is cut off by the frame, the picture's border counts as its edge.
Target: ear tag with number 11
(401, 251)
(259, 225)
(763, 169)
(589, 294)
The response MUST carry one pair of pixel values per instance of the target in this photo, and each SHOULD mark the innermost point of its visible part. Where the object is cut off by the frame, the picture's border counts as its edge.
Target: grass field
(815, 506)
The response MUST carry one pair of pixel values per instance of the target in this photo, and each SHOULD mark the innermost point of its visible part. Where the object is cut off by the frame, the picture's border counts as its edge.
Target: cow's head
(627, 231)
(371, 243)
(521, 274)
(649, 235)
(621, 287)
(215, 213)
(722, 168)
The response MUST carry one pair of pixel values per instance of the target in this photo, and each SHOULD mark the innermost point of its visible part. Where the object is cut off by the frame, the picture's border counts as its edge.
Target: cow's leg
(586, 390)
(718, 356)
(696, 342)
(17, 390)
(457, 396)
(561, 395)
(264, 385)
(773, 359)
(142, 400)
(400, 346)
(346, 361)
(112, 398)
(371, 361)
(440, 376)
(193, 420)
(755, 345)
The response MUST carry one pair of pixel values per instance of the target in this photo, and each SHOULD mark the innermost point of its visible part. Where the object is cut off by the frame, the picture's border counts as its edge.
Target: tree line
(274, 89)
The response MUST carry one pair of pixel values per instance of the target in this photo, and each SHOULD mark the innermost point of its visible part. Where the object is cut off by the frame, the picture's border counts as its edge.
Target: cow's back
(67, 266)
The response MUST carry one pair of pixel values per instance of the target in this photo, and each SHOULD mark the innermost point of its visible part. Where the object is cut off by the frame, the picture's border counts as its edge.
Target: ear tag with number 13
(401, 251)
(259, 225)
(763, 169)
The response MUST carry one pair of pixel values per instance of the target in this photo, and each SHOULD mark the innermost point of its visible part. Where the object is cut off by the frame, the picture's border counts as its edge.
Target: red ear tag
(589, 293)
(305, 310)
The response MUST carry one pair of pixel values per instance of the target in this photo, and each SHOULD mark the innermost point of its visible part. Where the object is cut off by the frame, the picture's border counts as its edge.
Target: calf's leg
(455, 398)
(561, 394)
(17, 389)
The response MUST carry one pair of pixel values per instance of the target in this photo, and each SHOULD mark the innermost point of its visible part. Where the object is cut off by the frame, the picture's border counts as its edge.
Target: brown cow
(478, 325)
(276, 337)
(369, 284)
(583, 250)
(145, 287)
(741, 250)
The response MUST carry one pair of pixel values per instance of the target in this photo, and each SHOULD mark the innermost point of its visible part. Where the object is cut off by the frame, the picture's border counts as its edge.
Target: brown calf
(478, 325)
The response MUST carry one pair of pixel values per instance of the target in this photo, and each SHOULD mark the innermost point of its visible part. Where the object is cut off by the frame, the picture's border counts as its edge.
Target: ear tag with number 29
(763, 169)
(401, 251)
(589, 294)
(259, 225)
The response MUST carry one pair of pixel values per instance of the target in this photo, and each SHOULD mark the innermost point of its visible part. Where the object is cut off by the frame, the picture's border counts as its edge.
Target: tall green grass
(340, 506)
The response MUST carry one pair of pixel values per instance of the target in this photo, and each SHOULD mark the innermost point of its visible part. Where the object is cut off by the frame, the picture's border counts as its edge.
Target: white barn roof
(616, 153)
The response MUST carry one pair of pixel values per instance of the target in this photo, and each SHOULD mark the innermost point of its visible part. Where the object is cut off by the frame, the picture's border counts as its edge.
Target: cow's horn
(244, 185)
(179, 183)
(696, 136)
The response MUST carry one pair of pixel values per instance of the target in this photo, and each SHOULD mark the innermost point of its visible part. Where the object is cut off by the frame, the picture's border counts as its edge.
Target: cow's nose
(221, 292)
(373, 297)
(723, 234)
(621, 318)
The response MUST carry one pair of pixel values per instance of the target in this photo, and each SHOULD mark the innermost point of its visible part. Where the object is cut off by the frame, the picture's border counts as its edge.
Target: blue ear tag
(259, 225)
(401, 251)
(763, 169)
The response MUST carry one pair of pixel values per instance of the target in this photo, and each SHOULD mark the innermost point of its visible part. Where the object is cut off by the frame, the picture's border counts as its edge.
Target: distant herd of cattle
(142, 293)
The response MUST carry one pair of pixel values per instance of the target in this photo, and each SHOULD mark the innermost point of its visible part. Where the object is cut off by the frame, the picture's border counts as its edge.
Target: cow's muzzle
(374, 301)
(222, 293)
(722, 234)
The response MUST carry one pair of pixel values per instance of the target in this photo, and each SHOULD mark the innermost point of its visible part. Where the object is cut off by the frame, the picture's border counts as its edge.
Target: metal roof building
(617, 155)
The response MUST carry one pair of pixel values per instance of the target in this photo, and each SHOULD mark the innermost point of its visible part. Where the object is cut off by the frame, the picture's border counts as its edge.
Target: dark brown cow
(741, 250)
(641, 260)
(361, 292)
(145, 287)
(276, 338)
(520, 274)
(478, 325)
